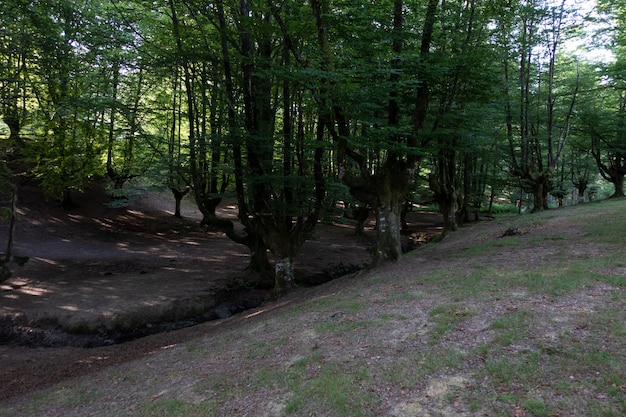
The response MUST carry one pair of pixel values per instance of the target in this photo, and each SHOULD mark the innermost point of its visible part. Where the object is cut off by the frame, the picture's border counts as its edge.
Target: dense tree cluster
(289, 107)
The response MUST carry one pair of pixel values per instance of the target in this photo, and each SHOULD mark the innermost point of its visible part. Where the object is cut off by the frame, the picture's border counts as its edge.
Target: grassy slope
(479, 324)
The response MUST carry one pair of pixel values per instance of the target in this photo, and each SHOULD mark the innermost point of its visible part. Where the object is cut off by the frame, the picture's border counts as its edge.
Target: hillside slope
(532, 323)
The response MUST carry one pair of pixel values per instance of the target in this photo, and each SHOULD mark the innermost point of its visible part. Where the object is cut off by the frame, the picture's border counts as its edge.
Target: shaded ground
(108, 270)
(479, 324)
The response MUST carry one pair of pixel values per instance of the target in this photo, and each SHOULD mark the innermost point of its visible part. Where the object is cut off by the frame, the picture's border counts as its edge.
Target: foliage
(272, 104)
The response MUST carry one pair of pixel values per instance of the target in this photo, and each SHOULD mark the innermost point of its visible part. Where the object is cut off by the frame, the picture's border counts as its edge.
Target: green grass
(562, 276)
(509, 243)
(335, 389)
(522, 369)
(446, 317)
(412, 370)
(333, 303)
(511, 327)
(554, 277)
(269, 378)
(80, 398)
(172, 407)
(345, 327)
(405, 296)
(260, 349)
(314, 383)
(586, 369)
(539, 408)
(607, 229)
(69, 395)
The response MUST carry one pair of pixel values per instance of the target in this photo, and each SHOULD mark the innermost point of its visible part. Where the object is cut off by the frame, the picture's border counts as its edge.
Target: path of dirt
(108, 269)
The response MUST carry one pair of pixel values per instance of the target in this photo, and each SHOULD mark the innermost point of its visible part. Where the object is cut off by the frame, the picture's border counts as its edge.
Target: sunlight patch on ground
(34, 291)
(256, 313)
(46, 261)
(151, 303)
(137, 213)
(76, 217)
(12, 296)
(162, 348)
(93, 359)
(269, 308)
(180, 270)
(106, 223)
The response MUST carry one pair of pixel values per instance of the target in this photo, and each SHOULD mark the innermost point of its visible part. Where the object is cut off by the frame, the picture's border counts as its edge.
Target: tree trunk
(284, 247)
(443, 183)
(388, 243)
(391, 191)
(385, 190)
(284, 275)
(66, 202)
(208, 206)
(13, 122)
(178, 197)
(259, 262)
(360, 213)
(448, 209)
(407, 207)
(539, 196)
(445, 193)
(5, 272)
(177, 206)
(581, 187)
(618, 182)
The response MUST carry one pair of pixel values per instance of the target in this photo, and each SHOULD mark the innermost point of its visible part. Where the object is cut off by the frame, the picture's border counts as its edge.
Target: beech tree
(195, 84)
(602, 118)
(461, 96)
(15, 52)
(64, 92)
(394, 138)
(604, 112)
(284, 205)
(64, 151)
(279, 196)
(266, 103)
(537, 120)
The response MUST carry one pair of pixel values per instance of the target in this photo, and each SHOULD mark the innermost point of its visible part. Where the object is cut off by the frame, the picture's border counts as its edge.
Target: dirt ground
(99, 269)
(483, 322)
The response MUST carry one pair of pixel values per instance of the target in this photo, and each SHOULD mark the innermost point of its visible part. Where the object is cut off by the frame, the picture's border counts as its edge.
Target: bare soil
(98, 275)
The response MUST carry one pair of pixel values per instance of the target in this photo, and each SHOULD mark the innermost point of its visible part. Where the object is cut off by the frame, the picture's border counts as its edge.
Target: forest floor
(98, 275)
(519, 316)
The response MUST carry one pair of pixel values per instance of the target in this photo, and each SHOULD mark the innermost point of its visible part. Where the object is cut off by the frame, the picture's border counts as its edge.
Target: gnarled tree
(395, 138)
